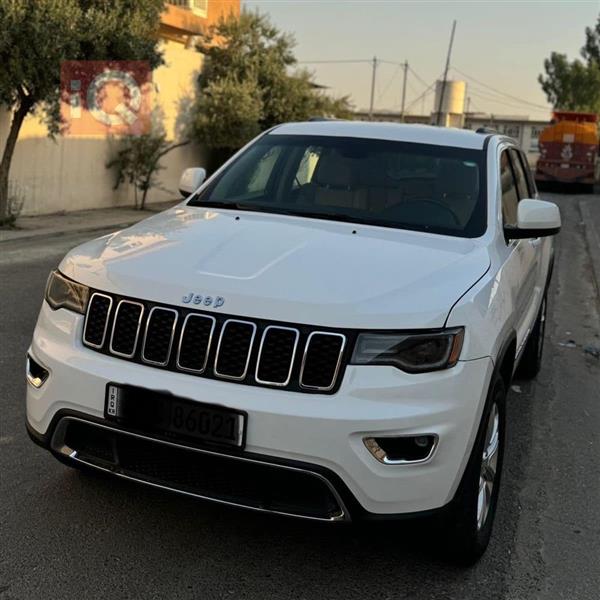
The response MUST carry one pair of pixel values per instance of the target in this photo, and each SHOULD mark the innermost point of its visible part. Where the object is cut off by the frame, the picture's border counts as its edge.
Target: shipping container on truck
(569, 150)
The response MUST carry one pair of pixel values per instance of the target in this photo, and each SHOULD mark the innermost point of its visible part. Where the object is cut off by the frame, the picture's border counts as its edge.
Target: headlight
(65, 293)
(414, 353)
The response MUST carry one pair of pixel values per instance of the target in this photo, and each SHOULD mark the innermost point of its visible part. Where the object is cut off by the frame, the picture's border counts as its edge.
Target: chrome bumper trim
(57, 444)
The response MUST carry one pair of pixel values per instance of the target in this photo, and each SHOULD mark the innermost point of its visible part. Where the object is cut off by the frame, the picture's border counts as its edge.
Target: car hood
(284, 268)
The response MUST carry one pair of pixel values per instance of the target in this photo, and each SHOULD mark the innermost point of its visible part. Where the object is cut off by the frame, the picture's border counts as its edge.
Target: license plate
(150, 411)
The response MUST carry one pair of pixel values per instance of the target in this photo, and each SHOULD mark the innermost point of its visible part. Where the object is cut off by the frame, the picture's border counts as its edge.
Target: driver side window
(510, 198)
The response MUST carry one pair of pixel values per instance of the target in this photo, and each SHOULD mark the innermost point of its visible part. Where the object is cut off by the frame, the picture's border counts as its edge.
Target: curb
(52, 234)
(592, 238)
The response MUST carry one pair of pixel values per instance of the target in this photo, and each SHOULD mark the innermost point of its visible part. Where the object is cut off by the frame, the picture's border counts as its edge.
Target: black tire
(531, 361)
(467, 525)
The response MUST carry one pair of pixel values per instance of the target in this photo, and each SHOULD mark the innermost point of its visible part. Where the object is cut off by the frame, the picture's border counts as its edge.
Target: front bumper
(324, 433)
(565, 175)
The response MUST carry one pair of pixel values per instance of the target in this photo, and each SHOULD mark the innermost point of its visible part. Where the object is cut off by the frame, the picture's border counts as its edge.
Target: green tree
(37, 35)
(591, 48)
(249, 82)
(575, 85)
(137, 159)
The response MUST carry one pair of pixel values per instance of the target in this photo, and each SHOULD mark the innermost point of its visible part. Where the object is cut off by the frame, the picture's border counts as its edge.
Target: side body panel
(505, 302)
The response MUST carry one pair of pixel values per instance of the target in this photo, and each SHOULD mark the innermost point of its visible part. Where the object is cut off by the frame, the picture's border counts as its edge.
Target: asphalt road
(68, 535)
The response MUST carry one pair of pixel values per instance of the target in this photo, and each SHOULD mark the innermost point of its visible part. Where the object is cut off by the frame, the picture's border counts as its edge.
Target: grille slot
(96, 320)
(126, 328)
(217, 346)
(194, 343)
(158, 338)
(276, 355)
(233, 351)
(322, 360)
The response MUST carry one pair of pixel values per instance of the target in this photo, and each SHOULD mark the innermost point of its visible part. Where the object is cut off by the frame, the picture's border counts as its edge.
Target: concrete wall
(70, 174)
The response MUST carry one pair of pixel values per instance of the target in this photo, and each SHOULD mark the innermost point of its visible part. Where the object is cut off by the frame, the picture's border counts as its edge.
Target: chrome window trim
(262, 341)
(387, 461)
(137, 333)
(208, 346)
(223, 329)
(154, 362)
(87, 312)
(337, 367)
(57, 443)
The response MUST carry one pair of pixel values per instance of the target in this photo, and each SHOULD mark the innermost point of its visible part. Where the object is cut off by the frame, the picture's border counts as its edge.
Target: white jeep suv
(326, 328)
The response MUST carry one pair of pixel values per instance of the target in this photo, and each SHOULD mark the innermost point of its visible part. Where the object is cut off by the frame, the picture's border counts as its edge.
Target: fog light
(400, 450)
(36, 374)
(422, 441)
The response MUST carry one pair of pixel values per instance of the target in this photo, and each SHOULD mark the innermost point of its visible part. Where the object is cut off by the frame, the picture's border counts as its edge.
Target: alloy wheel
(489, 465)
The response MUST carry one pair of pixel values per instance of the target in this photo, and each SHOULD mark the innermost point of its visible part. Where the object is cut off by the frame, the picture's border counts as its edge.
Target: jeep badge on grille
(193, 298)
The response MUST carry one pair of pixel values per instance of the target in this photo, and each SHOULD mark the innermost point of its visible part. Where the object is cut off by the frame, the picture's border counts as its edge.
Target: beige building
(69, 173)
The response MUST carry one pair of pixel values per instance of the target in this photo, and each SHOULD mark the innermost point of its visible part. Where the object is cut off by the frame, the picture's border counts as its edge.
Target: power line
(477, 93)
(497, 91)
(389, 83)
(420, 79)
(326, 62)
(421, 96)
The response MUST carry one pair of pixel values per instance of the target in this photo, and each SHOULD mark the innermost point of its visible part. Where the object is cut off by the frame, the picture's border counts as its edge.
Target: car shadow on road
(202, 543)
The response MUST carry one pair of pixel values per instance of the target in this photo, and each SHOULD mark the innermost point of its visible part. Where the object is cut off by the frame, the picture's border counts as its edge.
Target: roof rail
(486, 130)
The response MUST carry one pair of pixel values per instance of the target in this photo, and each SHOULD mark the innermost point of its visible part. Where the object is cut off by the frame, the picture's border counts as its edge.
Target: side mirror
(535, 218)
(191, 180)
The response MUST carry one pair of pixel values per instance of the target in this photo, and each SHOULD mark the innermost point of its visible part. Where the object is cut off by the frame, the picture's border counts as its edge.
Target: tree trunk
(9, 147)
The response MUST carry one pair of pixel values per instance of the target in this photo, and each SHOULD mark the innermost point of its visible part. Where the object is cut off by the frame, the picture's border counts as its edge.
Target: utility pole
(372, 88)
(405, 65)
(439, 114)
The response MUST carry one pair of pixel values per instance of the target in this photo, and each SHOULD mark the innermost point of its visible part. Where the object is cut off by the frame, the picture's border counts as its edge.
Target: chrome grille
(96, 320)
(233, 351)
(194, 343)
(158, 338)
(321, 360)
(276, 355)
(252, 352)
(126, 328)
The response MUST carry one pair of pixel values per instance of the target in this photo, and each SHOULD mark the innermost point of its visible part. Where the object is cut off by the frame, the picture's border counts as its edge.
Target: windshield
(393, 184)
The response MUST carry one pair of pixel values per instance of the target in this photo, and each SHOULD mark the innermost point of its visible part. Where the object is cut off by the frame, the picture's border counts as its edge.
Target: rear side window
(510, 197)
(520, 177)
(528, 175)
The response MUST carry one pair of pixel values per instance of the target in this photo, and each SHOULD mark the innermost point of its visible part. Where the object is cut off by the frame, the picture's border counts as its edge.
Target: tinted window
(520, 176)
(393, 184)
(510, 198)
(532, 191)
(253, 174)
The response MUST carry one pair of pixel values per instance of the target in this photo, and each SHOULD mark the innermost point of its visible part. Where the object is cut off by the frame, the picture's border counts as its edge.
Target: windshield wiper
(331, 216)
(219, 204)
(272, 209)
(327, 216)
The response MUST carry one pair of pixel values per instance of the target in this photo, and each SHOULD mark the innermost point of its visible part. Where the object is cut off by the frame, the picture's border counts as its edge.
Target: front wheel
(469, 523)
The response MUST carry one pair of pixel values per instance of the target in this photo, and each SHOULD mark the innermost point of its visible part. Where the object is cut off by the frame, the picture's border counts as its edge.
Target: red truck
(569, 150)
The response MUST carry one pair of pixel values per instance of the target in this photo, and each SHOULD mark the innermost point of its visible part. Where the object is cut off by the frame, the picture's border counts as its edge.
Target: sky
(499, 47)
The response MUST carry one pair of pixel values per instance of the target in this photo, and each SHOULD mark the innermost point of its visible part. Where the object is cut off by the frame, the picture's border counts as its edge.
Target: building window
(199, 7)
(535, 134)
(511, 129)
